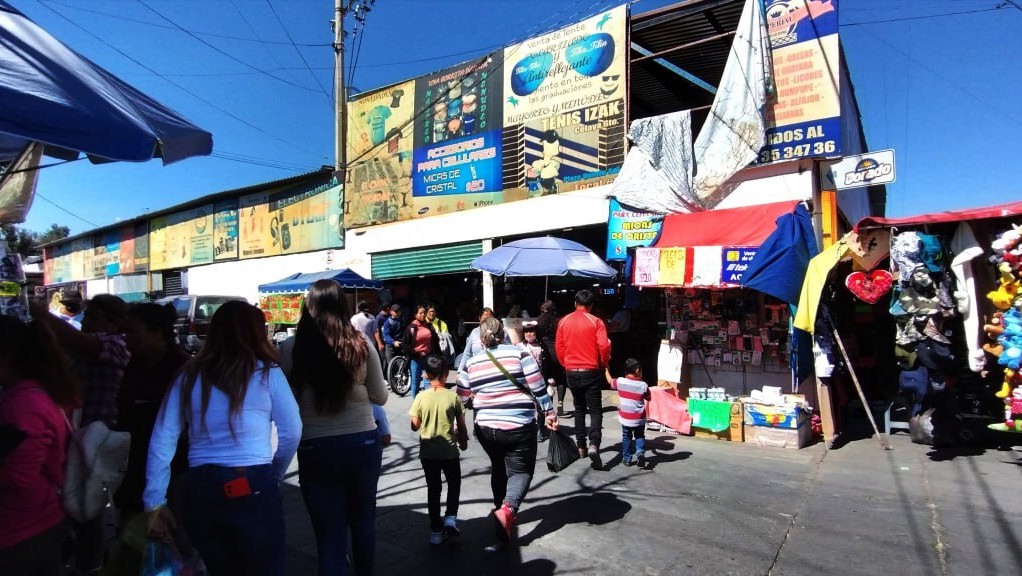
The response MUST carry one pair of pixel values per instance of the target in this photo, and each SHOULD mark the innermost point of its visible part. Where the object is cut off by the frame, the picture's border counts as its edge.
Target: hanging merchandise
(869, 287)
(1005, 327)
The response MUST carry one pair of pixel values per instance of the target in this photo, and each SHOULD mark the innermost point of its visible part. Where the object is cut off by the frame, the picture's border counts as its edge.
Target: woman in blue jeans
(336, 376)
(226, 399)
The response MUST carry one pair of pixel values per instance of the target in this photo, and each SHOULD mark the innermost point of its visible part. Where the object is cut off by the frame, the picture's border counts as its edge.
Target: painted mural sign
(805, 119)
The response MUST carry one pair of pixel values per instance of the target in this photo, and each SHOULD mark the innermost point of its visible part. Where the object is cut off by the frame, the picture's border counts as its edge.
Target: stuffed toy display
(1004, 328)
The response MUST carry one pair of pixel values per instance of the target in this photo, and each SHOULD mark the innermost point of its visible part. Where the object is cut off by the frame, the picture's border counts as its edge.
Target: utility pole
(340, 95)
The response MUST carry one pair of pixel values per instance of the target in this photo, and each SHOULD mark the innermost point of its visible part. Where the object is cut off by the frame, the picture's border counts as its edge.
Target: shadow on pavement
(596, 509)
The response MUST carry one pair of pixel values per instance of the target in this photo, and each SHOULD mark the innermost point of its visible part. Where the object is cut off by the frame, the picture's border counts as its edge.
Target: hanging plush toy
(1005, 327)
(1013, 410)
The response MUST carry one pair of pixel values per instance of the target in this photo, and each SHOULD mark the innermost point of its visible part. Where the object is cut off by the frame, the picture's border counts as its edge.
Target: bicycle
(398, 374)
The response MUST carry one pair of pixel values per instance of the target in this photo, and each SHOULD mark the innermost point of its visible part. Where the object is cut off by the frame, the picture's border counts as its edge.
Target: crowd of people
(213, 436)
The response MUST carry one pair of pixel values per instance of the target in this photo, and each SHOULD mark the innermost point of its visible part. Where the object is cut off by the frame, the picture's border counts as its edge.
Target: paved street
(708, 507)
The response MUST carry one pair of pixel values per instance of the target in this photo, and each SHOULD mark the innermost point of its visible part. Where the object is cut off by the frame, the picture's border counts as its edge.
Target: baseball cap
(73, 296)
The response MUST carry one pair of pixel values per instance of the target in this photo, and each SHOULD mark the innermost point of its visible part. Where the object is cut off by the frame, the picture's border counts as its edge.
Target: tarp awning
(746, 226)
(300, 282)
(1008, 210)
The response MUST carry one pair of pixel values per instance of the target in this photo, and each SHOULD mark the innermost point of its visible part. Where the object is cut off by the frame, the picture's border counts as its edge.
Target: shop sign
(281, 308)
(182, 239)
(647, 267)
(805, 119)
(627, 228)
(467, 165)
(673, 266)
(861, 170)
(734, 261)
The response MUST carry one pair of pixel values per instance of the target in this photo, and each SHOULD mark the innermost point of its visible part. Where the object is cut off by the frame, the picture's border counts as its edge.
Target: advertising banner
(300, 219)
(182, 239)
(141, 256)
(565, 102)
(225, 230)
(860, 170)
(57, 267)
(81, 259)
(126, 252)
(470, 164)
(734, 261)
(380, 134)
(107, 254)
(254, 225)
(460, 101)
(805, 120)
(626, 229)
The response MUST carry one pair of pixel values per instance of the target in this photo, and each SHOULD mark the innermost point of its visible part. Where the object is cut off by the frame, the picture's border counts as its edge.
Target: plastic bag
(561, 451)
(920, 428)
(163, 559)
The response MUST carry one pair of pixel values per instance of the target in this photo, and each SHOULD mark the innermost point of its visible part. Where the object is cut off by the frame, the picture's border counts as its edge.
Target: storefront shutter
(425, 261)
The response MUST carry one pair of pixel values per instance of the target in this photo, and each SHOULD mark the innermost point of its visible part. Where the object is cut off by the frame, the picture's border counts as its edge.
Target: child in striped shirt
(632, 394)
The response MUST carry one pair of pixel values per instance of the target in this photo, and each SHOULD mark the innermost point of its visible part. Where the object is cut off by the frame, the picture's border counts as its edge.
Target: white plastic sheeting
(665, 171)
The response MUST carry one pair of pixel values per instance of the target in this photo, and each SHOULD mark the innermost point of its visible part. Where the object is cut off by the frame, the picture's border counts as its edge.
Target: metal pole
(340, 95)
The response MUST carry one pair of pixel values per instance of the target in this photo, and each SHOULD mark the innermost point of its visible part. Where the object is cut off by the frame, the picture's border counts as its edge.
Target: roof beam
(675, 69)
(681, 47)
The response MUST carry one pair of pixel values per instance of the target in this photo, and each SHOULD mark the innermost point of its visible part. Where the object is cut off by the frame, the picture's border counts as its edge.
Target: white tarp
(665, 171)
(17, 184)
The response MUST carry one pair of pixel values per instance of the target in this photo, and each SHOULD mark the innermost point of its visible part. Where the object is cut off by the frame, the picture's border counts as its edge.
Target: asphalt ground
(709, 507)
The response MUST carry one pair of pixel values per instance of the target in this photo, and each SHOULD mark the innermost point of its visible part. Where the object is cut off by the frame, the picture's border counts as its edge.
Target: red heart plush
(869, 287)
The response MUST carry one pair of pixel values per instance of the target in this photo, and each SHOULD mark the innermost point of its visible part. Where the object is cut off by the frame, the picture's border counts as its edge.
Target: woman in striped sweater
(507, 387)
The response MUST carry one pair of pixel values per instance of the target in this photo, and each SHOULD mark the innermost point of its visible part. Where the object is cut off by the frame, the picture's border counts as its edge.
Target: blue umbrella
(55, 96)
(543, 256)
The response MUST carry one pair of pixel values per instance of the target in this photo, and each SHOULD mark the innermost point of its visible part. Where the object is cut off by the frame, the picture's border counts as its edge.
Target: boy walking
(633, 394)
(439, 417)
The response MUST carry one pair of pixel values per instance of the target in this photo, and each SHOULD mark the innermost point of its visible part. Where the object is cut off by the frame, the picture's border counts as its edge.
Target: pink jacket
(31, 473)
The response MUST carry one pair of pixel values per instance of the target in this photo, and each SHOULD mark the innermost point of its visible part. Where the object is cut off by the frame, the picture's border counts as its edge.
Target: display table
(712, 415)
(669, 410)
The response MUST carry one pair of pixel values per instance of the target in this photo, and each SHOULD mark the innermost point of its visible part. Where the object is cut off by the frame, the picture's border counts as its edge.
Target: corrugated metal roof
(710, 25)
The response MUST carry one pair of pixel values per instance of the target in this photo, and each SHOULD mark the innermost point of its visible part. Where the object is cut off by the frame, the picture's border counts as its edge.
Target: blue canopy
(781, 262)
(55, 96)
(543, 256)
(301, 282)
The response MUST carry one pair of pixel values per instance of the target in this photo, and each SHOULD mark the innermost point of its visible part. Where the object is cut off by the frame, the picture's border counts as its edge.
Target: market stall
(929, 312)
(281, 301)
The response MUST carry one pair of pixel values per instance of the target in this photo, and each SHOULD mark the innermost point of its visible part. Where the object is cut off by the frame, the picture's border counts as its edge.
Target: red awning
(1008, 210)
(747, 226)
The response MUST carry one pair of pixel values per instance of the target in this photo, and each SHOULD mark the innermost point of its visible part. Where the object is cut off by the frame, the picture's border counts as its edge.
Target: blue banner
(734, 261)
(468, 165)
(627, 228)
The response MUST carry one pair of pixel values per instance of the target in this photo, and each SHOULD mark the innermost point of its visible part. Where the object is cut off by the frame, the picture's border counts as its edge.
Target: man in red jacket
(584, 350)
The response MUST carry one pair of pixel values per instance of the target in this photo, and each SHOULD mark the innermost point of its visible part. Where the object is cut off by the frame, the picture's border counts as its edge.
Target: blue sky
(938, 81)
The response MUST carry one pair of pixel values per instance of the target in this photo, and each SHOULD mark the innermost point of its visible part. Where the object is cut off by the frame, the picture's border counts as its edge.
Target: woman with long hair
(226, 399)
(37, 385)
(506, 388)
(337, 378)
(546, 333)
(420, 341)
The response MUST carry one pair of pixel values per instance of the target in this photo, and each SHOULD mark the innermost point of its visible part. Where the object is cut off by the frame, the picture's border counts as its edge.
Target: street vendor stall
(925, 312)
(281, 301)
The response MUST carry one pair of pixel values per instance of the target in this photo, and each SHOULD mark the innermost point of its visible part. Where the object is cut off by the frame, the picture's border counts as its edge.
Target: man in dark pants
(584, 351)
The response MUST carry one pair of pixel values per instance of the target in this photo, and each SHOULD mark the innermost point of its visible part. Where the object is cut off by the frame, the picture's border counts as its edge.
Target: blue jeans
(415, 374)
(627, 434)
(241, 535)
(338, 476)
(512, 462)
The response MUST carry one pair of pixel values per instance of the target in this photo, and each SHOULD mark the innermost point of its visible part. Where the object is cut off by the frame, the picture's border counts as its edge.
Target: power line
(191, 93)
(329, 100)
(224, 52)
(266, 47)
(65, 210)
(156, 25)
(907, 18)
(268, 163)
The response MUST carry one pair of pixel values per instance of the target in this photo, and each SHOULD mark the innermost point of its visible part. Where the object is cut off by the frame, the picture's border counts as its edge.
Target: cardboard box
(790, 416)
(722, 435)
(778, 437)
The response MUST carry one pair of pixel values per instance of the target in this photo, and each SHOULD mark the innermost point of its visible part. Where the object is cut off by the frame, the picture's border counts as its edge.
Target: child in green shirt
(439, 417)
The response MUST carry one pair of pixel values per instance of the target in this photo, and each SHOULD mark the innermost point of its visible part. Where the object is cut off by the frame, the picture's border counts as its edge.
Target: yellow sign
(181, 239)
(673, 265)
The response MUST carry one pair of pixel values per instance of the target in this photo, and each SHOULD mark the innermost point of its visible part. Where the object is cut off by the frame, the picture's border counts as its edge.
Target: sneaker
(628, 462)
(451, 526)
(505, 518)
(594, 457)
(436, 538)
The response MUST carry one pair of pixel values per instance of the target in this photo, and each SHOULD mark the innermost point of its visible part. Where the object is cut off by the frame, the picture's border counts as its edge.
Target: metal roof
(694, 36)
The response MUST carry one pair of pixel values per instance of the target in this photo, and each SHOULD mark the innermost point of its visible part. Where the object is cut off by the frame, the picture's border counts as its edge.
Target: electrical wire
(155, 25)
(191, 93)
(925, 17)
(224, 52)
(266, 47)
(268, 163)
(65, 210)
(329, 98)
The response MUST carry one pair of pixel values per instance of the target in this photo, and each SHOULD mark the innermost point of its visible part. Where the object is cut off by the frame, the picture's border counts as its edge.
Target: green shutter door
(425, 261)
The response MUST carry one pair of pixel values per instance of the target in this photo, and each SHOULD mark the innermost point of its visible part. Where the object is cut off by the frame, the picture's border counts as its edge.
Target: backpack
(97, 459)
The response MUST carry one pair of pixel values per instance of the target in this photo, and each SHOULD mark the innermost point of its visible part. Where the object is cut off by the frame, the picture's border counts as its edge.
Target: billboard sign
(627, 229)
(860, 170)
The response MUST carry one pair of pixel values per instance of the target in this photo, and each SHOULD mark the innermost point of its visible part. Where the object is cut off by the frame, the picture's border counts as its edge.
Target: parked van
(193, 316)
